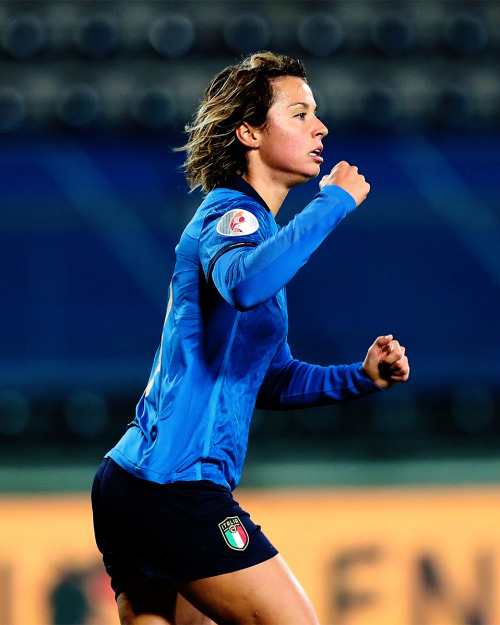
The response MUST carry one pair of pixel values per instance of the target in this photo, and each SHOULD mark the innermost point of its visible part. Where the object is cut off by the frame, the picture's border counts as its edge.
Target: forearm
(301, 385)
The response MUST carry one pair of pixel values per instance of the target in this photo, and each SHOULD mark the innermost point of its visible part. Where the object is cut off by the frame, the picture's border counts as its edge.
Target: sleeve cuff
(331, 190)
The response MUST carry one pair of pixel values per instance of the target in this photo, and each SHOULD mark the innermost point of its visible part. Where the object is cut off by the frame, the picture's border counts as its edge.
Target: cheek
(278, 148)
(281, 145)
(288, 144)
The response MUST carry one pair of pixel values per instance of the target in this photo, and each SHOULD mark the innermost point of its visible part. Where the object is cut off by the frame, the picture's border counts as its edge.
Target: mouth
(316, 155)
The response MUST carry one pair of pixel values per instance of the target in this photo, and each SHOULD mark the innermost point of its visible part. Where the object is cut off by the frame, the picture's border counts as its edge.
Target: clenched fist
(348, 178)
(386, 363)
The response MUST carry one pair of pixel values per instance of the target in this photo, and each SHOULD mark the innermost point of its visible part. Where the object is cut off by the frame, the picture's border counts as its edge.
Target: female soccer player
(177, 546)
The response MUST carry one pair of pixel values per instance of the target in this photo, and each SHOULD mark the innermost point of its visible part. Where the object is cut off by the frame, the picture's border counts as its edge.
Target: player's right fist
(348, 178)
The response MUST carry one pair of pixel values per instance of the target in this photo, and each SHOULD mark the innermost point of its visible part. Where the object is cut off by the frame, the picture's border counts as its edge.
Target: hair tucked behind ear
(239, 93)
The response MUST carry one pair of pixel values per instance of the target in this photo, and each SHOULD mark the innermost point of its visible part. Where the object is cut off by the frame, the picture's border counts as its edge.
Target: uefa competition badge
(237, 222)
(234, 533)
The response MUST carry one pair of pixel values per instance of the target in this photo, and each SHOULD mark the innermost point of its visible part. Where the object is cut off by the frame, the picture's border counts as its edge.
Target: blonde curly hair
(239, 93)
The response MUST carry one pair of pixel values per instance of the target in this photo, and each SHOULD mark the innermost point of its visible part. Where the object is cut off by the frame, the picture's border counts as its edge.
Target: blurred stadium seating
(82, 64)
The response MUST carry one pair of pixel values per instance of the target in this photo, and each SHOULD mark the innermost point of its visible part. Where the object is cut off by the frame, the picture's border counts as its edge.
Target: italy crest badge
(234, 533)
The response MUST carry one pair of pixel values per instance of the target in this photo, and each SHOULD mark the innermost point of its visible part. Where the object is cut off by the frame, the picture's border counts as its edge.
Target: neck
(272, 191)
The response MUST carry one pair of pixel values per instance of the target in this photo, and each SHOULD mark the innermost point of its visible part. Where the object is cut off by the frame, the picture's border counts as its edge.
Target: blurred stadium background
(93, 96)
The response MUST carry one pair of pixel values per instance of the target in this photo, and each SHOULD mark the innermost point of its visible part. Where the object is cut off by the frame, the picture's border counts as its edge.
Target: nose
(320, 129)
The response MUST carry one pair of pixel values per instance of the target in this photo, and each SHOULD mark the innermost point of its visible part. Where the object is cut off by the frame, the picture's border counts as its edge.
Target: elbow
(244, 301)
(244, 295)
(240, 295)
(239, 299)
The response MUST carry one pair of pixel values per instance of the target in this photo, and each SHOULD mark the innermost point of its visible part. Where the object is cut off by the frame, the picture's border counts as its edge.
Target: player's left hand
(386, 363)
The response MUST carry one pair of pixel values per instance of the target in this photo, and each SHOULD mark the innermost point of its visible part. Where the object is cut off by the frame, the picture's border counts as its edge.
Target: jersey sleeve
(290, 383)
(247, 277)
(241, 224)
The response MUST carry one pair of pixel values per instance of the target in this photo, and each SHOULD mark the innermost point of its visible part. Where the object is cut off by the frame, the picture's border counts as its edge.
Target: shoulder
(233, 212)
(222, 199)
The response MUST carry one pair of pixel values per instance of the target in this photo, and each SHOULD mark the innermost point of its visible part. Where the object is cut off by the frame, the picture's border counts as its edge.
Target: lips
(316, 155)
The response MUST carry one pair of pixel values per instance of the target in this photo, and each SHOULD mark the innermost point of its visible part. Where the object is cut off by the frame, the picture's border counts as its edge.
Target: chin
(313, 175)
(297, 179)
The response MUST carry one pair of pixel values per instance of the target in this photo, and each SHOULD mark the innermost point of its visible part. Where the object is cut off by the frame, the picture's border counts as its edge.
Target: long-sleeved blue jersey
(224, 346)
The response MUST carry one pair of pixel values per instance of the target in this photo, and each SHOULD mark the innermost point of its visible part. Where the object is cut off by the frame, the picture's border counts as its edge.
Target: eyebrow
(303, 104)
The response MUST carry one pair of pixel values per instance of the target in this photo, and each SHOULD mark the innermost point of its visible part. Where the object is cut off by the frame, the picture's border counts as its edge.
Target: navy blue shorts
(181, 531)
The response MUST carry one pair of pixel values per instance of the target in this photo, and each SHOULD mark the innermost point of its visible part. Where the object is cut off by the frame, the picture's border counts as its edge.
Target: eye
(301, 115)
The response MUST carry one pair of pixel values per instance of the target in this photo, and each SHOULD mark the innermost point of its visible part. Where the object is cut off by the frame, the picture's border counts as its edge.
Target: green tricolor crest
(234, 533)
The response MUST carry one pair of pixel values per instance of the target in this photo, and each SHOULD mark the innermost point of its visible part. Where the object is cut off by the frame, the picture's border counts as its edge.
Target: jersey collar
(238, 183)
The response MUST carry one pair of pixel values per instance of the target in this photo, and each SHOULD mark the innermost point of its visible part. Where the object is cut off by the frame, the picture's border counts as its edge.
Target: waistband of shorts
(206, 485)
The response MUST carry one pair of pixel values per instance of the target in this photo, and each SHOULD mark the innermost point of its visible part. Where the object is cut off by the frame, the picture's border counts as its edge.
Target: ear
(248, 135)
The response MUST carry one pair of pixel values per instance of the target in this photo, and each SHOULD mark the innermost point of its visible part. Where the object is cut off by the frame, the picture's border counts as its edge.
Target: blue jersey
(224, 347)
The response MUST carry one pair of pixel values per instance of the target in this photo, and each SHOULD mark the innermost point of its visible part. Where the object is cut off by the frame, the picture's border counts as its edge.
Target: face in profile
(290, 145)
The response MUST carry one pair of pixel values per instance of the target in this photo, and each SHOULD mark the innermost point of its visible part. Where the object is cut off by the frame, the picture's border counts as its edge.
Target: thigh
(156, 602)
(264, 594)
